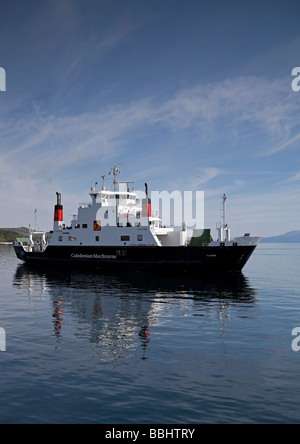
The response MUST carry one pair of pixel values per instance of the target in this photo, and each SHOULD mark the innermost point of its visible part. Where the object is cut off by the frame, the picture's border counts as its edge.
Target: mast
(224, 210)
(36, 219)
(103, 183)
(116, 171)
(223, 227)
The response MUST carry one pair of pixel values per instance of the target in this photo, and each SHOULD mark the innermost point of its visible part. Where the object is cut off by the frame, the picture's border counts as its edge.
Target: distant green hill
(11, 234)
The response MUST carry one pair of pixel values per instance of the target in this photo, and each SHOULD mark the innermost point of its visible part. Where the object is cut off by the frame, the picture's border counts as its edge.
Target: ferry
(117, 231)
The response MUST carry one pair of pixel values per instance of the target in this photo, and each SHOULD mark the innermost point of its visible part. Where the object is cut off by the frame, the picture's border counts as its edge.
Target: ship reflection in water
(121, 316)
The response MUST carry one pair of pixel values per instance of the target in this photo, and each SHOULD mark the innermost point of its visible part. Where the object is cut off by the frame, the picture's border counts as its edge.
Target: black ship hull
(174, 260)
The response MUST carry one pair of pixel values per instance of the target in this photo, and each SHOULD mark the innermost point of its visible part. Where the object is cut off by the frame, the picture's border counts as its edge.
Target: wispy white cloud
(69, 139)
(265, 104)
(282, 145)
(227, 106)
(42, 145)
(196, 178)
(294, 178)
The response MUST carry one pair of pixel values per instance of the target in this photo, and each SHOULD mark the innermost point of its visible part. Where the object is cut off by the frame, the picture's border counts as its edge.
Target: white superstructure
(114, 218)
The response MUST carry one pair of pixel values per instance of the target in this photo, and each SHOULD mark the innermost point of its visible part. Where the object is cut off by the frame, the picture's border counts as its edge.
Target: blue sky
(186, 95)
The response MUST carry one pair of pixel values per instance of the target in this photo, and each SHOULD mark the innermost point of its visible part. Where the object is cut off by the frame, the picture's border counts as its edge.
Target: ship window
(125, 238)
(140, 238)
(60, 238)
(97, 238)
(72, 239)
(84, 226)
(77, 226)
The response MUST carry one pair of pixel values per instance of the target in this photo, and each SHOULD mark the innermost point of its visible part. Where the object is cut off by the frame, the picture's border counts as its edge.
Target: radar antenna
(115, 171)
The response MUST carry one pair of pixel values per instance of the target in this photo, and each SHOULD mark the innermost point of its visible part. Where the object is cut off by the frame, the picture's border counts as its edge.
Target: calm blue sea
(105, 349)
